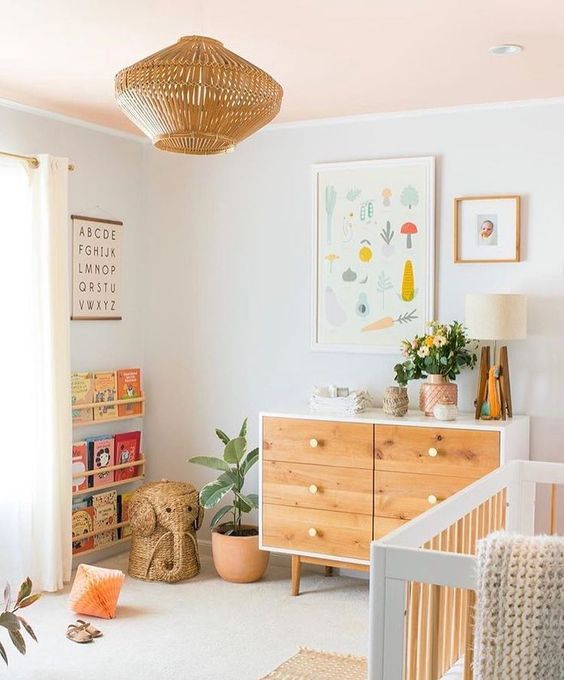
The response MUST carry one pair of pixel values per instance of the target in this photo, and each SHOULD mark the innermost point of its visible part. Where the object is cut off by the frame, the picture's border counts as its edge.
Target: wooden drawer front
(317, 486)
(464, 453)
(404, 496)
(318, 442)
(384, 525)
(342, 534)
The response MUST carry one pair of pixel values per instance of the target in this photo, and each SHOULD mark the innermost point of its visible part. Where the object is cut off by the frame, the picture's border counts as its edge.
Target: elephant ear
(200, 518)
(142, 517)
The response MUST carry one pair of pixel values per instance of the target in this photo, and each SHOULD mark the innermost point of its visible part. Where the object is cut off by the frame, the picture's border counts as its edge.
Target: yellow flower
(429, 341)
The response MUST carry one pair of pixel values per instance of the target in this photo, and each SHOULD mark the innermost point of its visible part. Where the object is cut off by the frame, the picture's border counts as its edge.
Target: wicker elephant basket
(164, 517)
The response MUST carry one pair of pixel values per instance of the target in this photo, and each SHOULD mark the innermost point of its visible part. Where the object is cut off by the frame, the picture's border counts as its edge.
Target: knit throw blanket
(519, 624)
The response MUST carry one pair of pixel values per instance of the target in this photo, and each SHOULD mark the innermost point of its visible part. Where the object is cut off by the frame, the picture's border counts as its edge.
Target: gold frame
(456, 221)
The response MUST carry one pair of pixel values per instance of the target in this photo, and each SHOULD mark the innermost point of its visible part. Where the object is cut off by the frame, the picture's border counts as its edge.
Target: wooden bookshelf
(111, 485)
(102, 547)
(138, 464)
(117, 402)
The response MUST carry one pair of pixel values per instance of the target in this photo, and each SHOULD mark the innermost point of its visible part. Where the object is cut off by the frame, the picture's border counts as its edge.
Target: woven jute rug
(309, 664)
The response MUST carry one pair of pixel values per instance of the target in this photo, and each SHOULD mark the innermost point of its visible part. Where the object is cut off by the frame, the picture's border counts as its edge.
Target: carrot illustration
(389, 321)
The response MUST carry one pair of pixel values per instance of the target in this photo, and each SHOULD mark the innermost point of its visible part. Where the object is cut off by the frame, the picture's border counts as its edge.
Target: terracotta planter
(238, 558)
(435, 389)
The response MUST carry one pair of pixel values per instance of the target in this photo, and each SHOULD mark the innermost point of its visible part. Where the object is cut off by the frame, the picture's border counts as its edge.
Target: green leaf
(212, 493)
(3, 654)
(253, 499)
(244, 503)
(9, 621)
(235, 450)
(224, 438)
(219, 515)
(17, 639)
(25, 590)
(29, 600)
(250, 460)
(28, 628)
(243, 430)
(211, 462)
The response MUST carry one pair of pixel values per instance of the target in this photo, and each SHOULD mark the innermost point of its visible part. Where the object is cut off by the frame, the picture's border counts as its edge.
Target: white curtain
(35, 416)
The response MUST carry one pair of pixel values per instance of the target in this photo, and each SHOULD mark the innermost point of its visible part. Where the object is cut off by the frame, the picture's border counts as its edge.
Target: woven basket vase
(396, 401)
(164, 517)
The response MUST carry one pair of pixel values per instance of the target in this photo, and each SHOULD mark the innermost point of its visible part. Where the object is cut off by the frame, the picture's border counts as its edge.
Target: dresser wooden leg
(296, 569)
(328, 571)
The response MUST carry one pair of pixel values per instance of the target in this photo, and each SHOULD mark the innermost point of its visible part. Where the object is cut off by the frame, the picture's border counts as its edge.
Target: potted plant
(437, 357)
(236, 555)
(12, 621)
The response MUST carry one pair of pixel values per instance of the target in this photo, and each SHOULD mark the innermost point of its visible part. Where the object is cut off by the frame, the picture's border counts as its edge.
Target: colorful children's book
(80, 465)
(129, 387)
(100, 456)
(127, 449)
(82, 523)
(82, 393)
(105, 515)
(123, 513)
(104, 390)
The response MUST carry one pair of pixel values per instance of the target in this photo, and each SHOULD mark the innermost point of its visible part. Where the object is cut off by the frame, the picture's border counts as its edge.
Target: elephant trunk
(178, 557)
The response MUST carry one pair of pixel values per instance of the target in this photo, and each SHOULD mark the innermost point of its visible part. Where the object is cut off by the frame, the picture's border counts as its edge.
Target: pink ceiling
(333, 57)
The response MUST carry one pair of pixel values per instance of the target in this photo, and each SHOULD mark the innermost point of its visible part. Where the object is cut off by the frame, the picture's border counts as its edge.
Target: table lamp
(495, 316)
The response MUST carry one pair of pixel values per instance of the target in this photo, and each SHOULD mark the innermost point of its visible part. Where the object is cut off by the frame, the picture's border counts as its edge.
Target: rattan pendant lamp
(197, 97)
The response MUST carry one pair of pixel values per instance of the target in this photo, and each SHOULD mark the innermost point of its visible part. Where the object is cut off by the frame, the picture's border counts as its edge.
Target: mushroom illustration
(386, 194)
(331, 258)
(408, 228)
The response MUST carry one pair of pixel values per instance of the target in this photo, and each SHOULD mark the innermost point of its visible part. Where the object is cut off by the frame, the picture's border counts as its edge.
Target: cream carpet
(203, 629)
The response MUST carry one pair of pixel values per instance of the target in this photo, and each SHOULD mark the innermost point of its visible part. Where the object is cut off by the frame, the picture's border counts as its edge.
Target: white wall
(228, 274)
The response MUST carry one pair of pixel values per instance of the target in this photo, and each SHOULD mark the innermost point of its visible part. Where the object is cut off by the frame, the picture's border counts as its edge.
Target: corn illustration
(408, 283)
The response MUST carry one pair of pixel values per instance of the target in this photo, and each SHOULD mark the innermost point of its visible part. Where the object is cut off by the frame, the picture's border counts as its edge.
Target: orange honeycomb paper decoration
(95, 591)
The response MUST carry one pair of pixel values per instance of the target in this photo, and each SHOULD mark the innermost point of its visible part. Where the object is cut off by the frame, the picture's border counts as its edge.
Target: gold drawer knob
(313, 488)
(433, 452)
(432, 499)
(313, 443)
(312, 532)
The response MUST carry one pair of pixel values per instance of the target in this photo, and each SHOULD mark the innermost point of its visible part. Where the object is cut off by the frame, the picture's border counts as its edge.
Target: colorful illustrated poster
(373, 253)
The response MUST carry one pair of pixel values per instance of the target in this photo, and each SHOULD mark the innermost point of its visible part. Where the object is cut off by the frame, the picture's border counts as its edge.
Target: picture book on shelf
(82, 523)
(80, 465)
(105, 515)
(82, 393)
(127, 450)
(123, 513)
(104, 390)
(129, 387)
(100, 456)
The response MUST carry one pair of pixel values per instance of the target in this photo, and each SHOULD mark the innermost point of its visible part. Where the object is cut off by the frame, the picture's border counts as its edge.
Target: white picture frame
(371, 178)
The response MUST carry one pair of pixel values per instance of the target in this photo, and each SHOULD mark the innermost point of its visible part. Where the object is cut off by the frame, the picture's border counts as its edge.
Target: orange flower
(429, 340)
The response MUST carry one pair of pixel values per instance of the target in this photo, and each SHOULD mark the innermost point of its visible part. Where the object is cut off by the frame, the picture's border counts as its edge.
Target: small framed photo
(487, 229)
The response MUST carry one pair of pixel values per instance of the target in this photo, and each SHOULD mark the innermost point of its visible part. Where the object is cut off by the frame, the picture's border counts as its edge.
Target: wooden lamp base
(493, 400)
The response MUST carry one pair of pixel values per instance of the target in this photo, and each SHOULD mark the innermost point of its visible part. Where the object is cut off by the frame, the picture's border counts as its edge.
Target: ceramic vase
(396, 401)
(435, 389)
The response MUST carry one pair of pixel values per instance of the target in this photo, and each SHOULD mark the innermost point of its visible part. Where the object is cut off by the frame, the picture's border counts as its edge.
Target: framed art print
(487, 229)
(373, 252)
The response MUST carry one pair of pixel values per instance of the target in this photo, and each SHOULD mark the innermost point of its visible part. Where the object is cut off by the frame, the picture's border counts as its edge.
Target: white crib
(422, 576)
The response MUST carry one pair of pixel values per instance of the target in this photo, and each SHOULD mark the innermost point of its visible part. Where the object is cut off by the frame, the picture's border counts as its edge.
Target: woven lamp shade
(197, 97)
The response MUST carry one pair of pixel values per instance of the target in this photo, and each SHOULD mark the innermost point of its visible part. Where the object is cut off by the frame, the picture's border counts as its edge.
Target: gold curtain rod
(32, 160)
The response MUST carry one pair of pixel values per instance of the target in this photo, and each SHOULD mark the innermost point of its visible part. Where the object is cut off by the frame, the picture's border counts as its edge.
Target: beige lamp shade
(197, 97)
(496, 316)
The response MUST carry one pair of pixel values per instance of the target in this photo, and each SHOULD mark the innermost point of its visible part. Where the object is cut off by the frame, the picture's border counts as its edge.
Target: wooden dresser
(329, 485)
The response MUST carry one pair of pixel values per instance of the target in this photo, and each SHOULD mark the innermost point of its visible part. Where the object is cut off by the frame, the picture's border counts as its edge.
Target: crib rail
(423, 574)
